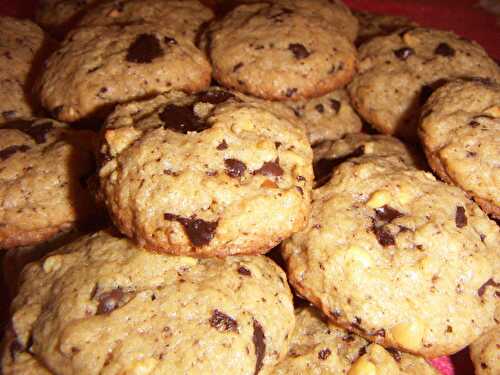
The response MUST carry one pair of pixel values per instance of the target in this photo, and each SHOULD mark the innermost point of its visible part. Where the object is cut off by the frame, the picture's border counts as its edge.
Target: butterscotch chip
(384, 243)
(210, 174)
(102, 304)
(460, 131)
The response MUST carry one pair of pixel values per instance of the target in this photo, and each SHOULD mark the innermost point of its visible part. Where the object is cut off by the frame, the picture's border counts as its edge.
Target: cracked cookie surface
(101, 305)
(387, 242)
(215, 173)
(460, 131)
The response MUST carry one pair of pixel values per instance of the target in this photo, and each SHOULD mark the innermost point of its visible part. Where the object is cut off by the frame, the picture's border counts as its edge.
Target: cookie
(485, 353)
(460, 131)
(398, 257)
(252, 44)
(42, 164)
(186, 16)
(23, 45)
(59, 16)
(318, 347)
(328, 155)
(100, 66)
(372, 25)
(102, 305)
(209, 174)
(328, 117)
(397, 73)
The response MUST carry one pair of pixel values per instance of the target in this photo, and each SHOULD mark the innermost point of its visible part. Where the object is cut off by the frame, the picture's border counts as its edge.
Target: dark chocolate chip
(387, 214)
(299, 51)
(474, 124)
(362, 351)
(404, 53)
(199, 232)
(222, 145)
(324, 354)
(259, 342)
(460, 217)
(384, 237)
(482, 289)
(237, 67)
(290, 92)
(270, 169)
(169, 40)
(144, 49)
(335, 104)
(182, 119)
(396, 354)
(11, 150)
(443, 49)
(244, 271)
(37, 132)
(215, 96)
(235, 168)
(320, 108)
(222, 322)
(109, 301)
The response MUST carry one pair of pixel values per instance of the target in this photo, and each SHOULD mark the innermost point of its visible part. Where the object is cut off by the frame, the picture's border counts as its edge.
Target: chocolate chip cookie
(485, 353)
(282, 50)
(318, 347)
(59, 16)
(460, 131)
(398, 257)
(23, 45)
(209, 174)
(97, 67)
(103, 305)
(372, 25)
(328, 117)
(42, 167)
(398, 72)
(184, 15)
(330, 154)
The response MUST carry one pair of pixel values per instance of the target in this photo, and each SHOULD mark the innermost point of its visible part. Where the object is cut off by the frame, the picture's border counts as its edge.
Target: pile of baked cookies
(211, 134)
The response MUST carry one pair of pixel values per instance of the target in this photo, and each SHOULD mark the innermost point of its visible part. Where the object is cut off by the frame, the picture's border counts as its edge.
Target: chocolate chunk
(460, 217)
(270, 169)
(237, 67)
(37, 132)
(299, 51)
(384, 237)
(109, 301)
(335, 104)
(11, 150)
(396, 354)
(323, 168)
(234, 167)
(144, 49)
(182, 119)
(244, 271)
(387, 214)
(320, 108)
(404, 53)
(482, 289)
(290, 92)
(222, 145)
(324, 354)
(474, 124)
(199, 232)
(215, 96)
(259, 342)
(222, 322)
(444, 49)
(169, 40)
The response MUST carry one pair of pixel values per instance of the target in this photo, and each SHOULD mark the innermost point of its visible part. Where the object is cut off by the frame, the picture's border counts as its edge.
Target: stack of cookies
(153, 155)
